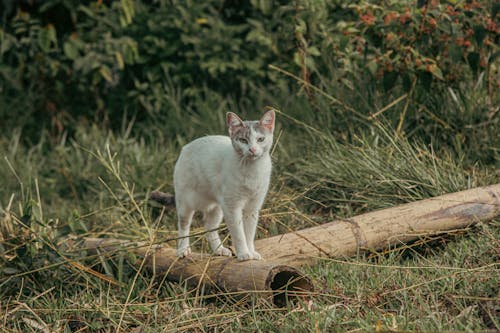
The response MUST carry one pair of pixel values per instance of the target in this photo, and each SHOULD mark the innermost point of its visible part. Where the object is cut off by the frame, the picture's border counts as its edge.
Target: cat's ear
(267, 120)
(233, 122)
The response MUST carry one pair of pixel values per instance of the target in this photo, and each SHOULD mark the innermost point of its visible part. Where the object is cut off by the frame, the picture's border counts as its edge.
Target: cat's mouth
(251, 157)
(254, 157)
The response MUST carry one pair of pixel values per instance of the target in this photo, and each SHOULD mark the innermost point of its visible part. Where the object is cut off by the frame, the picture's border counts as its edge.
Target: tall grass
(381, 169)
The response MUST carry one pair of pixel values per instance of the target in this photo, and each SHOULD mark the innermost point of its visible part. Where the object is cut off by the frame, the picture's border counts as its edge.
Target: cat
(225, 176)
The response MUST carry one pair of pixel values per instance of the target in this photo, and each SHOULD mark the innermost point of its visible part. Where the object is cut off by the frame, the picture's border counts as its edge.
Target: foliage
(207, 50)
(154, 61)
(440, 43)
(55, 75)
(130, 58)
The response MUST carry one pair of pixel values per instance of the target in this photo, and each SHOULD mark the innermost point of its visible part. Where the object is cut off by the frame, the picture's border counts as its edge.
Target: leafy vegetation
(380, 103)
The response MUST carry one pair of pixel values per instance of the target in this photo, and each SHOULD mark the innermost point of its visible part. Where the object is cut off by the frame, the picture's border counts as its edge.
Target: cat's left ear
(233, 122)
(267, 120)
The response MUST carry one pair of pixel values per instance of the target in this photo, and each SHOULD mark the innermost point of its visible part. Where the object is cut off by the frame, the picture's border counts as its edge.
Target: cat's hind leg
(212, 217)
(184, 219)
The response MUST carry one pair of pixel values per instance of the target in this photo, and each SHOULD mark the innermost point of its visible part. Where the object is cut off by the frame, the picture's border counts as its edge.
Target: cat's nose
(253, 150)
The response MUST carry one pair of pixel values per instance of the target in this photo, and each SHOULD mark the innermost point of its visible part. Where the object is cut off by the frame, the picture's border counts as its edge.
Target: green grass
(96, 184)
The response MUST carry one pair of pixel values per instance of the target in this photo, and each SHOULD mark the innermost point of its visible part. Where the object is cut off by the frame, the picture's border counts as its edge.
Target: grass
(96, 184)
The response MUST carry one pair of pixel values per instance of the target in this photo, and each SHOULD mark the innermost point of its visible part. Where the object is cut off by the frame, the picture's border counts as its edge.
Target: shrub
(153, 61)
(60, 72)
(399, 41)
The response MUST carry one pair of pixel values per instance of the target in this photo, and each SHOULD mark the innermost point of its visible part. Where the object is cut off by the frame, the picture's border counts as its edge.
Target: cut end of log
(287, 285)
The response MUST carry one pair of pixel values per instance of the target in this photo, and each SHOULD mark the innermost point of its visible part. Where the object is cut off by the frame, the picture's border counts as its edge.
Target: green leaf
(309, 62)
(127, 9)
(70, 50)
(130, 53)
(297, 59)
(436, 71)
(46, 37)
(266, 6)
(301, 26)
(495, 9)
(313, 50)
(86, 10)
(343, 41)
(6, 43)
(119, 60)
(106, 73)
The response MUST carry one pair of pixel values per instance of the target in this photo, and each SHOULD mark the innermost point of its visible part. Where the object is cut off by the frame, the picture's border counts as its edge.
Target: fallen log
(384, 228)
(276, 276)
(273, 280)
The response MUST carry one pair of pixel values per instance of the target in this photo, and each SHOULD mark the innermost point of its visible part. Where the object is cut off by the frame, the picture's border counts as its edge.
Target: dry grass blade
(92, 272)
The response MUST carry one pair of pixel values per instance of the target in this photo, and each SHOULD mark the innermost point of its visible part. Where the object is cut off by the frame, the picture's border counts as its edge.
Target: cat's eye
(243, 140)
(261, 139)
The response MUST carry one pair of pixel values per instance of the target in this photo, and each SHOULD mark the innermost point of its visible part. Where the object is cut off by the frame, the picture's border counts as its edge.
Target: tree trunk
(384, 228)
(267, 278)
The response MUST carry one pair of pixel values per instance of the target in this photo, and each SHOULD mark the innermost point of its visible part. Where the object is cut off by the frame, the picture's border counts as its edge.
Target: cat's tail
(166, 199)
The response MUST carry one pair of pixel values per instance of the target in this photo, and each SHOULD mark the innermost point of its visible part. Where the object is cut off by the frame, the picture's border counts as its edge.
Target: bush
(430, 70)
(54, 74)
(437, 42)
(157, 61)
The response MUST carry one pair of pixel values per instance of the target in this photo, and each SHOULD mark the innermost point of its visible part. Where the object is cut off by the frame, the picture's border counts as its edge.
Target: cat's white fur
(226, 177)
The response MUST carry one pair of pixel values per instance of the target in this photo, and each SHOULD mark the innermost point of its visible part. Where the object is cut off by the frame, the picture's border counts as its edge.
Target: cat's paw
(256, 255)
(244, 256)
(223, 251)
(183, 252)
(249, 256)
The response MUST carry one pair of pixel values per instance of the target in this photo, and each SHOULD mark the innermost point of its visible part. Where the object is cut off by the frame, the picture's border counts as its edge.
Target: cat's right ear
(233, 122)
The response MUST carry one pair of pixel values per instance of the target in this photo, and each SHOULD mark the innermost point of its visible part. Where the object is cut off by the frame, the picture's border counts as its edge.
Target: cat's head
(251, 139)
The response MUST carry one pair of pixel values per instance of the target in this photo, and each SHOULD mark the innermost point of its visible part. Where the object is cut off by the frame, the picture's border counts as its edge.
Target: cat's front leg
(234, 222)
(250, 220)
(212, 218)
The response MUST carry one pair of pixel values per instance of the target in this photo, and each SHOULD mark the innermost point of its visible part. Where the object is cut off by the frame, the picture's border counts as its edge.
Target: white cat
(225, 177)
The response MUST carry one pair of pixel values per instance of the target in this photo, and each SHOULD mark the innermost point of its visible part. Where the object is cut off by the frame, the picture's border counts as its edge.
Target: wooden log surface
(269, 279)
(383, 228)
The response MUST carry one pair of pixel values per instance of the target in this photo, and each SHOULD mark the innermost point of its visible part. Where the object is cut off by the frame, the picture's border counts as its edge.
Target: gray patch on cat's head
(242, 131)
(247, 125)
(251, 140)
